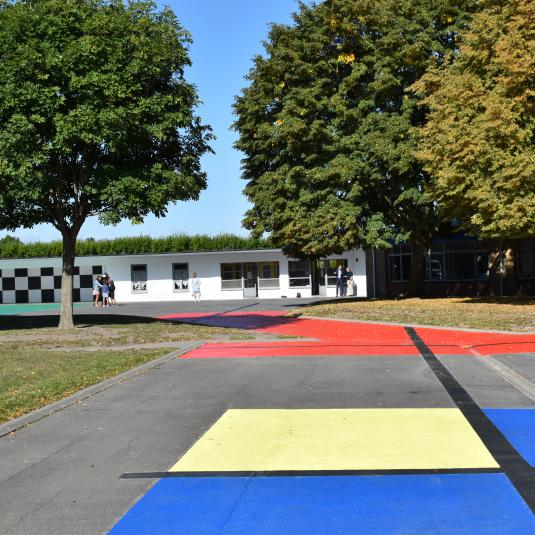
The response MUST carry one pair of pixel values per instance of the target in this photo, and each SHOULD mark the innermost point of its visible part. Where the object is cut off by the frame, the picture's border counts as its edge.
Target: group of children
(104, 291)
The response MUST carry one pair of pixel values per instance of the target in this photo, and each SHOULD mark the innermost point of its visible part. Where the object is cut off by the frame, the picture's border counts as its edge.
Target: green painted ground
(24, 308)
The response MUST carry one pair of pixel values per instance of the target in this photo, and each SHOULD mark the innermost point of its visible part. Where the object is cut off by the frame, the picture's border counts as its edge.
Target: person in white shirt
(195, 287)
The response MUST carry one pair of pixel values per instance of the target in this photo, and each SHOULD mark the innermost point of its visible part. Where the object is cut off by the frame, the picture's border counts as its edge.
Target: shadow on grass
(333, 301)
(499, 300)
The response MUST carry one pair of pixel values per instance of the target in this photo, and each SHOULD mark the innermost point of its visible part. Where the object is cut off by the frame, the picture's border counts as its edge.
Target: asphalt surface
(62, 474)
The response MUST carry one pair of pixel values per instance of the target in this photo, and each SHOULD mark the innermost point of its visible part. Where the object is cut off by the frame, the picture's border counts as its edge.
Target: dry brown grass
(117, 335)
(504, 314)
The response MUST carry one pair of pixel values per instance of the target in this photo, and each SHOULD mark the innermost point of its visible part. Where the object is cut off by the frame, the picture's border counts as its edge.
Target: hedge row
(179, 243)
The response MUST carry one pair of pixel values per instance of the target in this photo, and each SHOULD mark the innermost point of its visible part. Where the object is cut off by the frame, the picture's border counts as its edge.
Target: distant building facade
(262, 273)
(456, 266)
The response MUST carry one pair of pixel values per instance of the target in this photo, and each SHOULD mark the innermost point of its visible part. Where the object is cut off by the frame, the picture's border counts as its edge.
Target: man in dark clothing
(341, 281)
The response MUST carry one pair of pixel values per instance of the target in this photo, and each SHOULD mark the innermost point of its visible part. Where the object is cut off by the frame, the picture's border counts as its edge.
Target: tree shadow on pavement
(8, 323)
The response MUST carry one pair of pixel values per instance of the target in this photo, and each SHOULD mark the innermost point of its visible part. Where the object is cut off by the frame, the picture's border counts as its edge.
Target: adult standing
(195, 287)
(97, 290)
(111, 284)
(350, 283)
(340, 281)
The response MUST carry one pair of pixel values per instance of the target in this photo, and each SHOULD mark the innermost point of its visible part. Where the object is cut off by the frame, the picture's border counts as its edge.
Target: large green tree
(326, 126)
(479, 141)
(96, 117)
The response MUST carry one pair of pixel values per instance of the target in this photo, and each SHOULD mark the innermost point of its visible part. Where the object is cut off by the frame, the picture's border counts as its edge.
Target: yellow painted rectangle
(337, 439)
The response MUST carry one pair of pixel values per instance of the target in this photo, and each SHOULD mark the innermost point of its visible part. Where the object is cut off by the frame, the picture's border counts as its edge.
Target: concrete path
(369, 429)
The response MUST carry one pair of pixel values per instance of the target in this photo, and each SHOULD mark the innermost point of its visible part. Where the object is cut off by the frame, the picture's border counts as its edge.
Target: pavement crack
(236, 503)
(37, 462)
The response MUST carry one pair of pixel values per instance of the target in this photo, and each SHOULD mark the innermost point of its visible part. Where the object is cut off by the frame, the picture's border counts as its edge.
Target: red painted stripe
(483, 343)
(343, 338)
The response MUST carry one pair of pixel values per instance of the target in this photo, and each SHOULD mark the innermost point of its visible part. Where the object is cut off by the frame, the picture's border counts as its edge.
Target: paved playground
(342, 427)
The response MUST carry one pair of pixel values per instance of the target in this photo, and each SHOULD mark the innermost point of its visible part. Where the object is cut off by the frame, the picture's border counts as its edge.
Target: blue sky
(226, 35)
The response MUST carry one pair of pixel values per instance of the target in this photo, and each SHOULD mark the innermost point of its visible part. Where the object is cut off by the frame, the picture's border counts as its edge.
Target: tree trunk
(314, 283)
(66, 310)
(417, 274)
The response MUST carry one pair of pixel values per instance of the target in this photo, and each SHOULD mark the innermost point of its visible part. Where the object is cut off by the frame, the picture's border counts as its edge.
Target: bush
(177, 243)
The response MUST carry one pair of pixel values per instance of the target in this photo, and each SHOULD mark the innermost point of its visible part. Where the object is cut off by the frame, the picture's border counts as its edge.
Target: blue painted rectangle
(518, 427)
(446, 504)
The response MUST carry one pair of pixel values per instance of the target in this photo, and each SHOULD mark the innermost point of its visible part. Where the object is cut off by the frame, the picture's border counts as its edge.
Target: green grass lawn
(32, 378)
(40, 364)
(504, 314)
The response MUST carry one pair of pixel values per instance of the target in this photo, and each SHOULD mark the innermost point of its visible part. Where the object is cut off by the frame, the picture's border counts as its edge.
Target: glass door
(250, 279)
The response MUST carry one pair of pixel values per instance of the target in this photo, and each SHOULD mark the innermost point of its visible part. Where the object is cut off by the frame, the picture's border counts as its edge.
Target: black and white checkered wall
(43, 285)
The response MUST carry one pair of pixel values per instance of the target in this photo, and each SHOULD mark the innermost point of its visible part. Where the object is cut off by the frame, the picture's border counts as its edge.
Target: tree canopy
(325, 125)
(479, 140)
(96, 116)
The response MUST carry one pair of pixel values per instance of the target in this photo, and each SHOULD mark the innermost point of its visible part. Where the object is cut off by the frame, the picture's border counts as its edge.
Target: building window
(237, 276)
(448, 260)
(326, 270)
(231, 277)
(139, 278)
(180, 277)
(299, 272)
(399, 262)
(526, 262)
(458, 260)
(268, 275)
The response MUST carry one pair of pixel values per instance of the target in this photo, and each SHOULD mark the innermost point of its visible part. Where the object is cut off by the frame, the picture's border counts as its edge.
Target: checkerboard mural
(43, 285)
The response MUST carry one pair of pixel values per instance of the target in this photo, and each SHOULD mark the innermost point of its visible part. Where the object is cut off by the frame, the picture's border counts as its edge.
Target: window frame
(400, 252)
(260, 283)
(446, 253)
(530, 251)
(233, 271)
(272, 282)
(186, 288)
(132, 281)
(299, 277)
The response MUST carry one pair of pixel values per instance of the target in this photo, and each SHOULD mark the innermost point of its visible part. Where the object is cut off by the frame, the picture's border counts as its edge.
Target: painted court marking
(517, 469)
(337, 439)
(474, 504)
(449, 471)
(339, 338)
(518, 425)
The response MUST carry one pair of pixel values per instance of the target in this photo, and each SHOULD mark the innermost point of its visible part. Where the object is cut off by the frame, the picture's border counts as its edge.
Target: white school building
(262, 273)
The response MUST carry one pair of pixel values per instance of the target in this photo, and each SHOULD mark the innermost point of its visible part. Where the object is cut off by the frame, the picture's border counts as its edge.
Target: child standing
(195, 287)
(105, 293)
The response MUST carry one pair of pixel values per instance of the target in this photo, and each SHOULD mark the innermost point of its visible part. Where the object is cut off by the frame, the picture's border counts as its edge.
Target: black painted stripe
(515, 467)
(304, 473)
